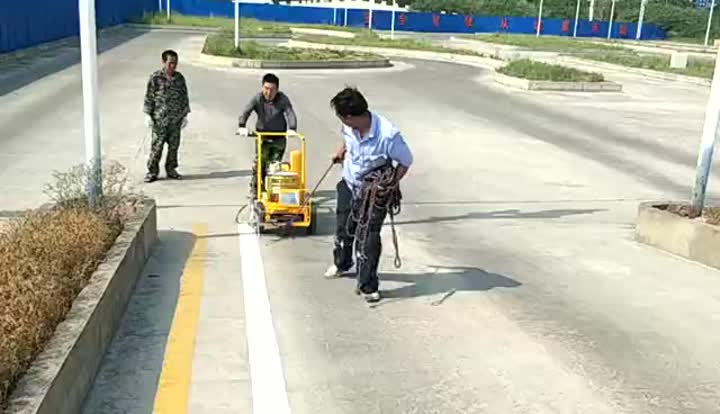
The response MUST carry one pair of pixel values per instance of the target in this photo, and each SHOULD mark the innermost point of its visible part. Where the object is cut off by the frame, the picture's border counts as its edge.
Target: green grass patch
(697, 67)
(248, 27)
(223, 44)
(543, 43)
(370, 39)
(531, 70)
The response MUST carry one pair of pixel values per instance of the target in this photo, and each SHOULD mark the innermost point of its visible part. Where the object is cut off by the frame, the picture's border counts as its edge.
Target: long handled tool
(307, 199)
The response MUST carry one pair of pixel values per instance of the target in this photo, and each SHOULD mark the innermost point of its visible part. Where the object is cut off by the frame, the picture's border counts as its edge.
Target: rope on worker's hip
(379, 191)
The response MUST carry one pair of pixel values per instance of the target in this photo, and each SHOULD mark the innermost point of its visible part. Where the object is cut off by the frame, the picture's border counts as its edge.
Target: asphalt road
(521, 290)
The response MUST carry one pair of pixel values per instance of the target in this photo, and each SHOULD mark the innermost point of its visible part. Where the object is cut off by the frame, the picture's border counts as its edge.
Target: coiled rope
(380, 191)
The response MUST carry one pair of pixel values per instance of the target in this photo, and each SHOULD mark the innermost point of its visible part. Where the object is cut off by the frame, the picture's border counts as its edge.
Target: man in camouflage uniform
(166, 108)
(275, 113)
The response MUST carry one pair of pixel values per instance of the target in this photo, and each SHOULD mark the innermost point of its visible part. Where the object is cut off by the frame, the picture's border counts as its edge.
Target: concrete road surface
(521, 288)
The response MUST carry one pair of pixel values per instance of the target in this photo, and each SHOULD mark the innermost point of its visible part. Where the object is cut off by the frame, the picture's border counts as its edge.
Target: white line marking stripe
(269, 392)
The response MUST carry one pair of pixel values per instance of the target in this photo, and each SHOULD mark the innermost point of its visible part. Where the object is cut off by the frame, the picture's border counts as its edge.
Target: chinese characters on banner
(436, 20)
(402, 19)
(535, 26)
(565, 26)
(624, 30)
(504, 24)
(595, 28)
(469, 22)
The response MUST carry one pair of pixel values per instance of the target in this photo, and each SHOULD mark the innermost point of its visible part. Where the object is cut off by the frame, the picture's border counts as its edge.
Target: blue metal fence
(415, 21)
(25, 23)
(29, 23)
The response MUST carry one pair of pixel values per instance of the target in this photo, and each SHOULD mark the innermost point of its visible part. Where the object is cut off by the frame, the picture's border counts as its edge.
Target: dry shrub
(46, 258)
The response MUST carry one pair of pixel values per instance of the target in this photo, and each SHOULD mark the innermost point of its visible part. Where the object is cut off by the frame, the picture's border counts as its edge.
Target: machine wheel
(310, 230)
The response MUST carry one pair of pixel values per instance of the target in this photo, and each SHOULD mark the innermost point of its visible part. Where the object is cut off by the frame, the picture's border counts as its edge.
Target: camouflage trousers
(161, 135)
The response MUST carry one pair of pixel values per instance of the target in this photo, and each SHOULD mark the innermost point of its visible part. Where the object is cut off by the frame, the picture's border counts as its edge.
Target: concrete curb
(172, 28)
(323, 32)
(646, 73)
(536, 85)
(195, 29)
(504, 52)
(265, 64)
(61, 376)
(476, 61)
(689, 238)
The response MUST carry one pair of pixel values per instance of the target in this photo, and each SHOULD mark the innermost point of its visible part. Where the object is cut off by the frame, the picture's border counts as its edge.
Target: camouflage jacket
(166, 100)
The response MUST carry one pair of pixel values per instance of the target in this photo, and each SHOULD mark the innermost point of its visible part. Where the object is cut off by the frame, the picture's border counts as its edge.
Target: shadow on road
(217, 175)
(504, 214)
(444, 282)
(26, 66)
(127, 379)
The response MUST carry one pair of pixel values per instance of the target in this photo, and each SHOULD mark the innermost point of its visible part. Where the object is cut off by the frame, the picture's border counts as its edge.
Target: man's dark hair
(271, 78)
(349, 102)
(169, 53)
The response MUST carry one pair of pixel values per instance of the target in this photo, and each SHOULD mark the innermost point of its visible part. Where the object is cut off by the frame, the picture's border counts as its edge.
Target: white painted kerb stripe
(269, 393)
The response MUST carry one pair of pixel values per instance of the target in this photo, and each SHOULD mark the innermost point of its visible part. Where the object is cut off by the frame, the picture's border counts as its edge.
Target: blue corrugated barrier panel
(29, 23)
(416, 21)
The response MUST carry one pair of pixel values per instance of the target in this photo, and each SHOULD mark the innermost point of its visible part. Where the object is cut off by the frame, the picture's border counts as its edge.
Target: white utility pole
(91, 114)
(592, 10)
(539, 23)
(370, 19)
(167, 6)
(709, 23)
(392, 21)
(707, 144)
(159, 6)
(577, 17)
(237, 23)
(612, 15)
(334, 16)
(345, 19)
(640, 20)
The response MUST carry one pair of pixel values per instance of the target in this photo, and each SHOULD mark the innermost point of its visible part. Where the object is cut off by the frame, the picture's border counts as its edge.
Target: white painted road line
(269, 392)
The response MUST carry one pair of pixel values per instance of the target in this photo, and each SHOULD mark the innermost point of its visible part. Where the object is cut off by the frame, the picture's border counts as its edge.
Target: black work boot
(174, 175)
(150, 177)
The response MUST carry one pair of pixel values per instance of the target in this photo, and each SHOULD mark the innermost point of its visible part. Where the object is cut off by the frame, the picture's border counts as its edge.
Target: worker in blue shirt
(371, 143)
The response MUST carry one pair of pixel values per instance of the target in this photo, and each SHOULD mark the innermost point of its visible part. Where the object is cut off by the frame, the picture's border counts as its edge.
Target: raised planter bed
(293, 64)
(666, 225)
(60, 377)
(541, 85)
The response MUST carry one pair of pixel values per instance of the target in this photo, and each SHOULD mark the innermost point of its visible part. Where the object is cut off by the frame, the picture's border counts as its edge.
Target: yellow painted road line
(174, 386)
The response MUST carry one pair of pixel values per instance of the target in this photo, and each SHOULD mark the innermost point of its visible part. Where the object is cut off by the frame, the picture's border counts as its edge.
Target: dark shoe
(149, 178)
(174, 175)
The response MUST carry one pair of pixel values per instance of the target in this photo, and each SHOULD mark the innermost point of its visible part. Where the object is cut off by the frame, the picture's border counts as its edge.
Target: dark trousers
(161, 135)
(272, 151)
(345, 239)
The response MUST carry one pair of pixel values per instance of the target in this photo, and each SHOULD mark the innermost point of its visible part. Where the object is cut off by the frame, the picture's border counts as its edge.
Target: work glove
(148, 121)
(184, 123)
(291, 132)
(243, 132)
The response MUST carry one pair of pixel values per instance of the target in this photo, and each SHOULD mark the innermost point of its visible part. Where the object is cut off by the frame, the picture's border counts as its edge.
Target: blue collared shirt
(383, 142)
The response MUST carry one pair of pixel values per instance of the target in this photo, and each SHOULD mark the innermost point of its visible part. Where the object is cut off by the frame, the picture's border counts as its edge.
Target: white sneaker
(333, 272)
(372, 297)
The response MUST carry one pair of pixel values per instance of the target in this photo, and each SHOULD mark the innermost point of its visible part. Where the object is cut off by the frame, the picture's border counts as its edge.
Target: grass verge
(223, 44)
(248, 27)
(530, 70)
(697, 67)
(369, 39)
(543, 43)
(46, 258)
